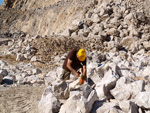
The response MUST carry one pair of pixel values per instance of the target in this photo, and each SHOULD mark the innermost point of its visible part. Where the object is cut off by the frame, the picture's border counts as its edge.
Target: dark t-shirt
(72, 55)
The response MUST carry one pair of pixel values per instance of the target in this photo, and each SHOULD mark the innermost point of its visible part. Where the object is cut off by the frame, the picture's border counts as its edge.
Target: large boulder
(146, 45)
(74, 84)
(3, 64)
(105, 107)
(80, 100)
(128, 41)
(146, 71)
(128, 106)
(3, 72)
(50, 77)
(48, 103)
(125, 91)
(143, 100)
(114, 106)
(107, 83)
(60, 89)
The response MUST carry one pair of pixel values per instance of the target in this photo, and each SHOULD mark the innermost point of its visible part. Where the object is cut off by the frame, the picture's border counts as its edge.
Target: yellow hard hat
(81, 54)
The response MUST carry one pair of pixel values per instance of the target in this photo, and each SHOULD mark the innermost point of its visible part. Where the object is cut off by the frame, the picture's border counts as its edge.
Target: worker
(75, 60)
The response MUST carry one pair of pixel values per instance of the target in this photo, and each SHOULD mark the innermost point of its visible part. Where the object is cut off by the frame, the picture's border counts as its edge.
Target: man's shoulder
(74, 51)
(72, 54)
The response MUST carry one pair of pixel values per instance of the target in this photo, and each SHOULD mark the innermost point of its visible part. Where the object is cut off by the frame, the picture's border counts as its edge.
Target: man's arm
(84, 70)
(71, 69)
(84, 73)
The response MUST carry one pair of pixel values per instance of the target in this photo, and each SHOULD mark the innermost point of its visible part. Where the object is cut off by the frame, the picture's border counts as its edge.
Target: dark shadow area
(96, 105)
(7, 81)
(121, 48)
(140, 35)
(107, 91)
(91, 82)
(107, 38)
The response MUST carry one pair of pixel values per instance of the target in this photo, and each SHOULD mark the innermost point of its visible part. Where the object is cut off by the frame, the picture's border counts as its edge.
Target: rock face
(52, 17)
(47, 16)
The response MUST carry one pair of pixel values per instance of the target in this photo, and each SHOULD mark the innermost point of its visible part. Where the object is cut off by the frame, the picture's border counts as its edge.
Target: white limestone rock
(147, 87)
(32, 79)
(20, 57)
(128, 106)
(146, 71)
(128, 17)
(106, 84)
(59, 71)
(73, 27)
(98, 58)
(19, 79)
(3, 72)
(110, 45)
(128, 41)
(56, 58)
(50, 77)
(24, 75)
(143, 100)
(95, 18)
(34, 59)
(48, 103)
(36, 71)
(76, 22)
(102, 107)
(123, 91)
(134, 47)
(128, 73)
(66, 32)
(60, 89)
(113, 110)
(28, 47)
(3, 64)
(133, 32)
(112, 31)
(115, 20)
(27, 55)
(97, 28)
(90, 68)
(74, 84)
(146, 45)
(115, 68)
(80, 100)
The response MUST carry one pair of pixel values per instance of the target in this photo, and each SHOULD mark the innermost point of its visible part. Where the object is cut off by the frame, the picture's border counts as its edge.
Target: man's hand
(77, 74)
(81, 79)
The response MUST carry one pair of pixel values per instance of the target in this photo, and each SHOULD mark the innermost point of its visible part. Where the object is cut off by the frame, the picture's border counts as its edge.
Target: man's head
(81, 54)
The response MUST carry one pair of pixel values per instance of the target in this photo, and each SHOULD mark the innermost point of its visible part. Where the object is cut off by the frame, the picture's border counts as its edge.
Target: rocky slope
(36, 35)
(44, 17)
(51, 17)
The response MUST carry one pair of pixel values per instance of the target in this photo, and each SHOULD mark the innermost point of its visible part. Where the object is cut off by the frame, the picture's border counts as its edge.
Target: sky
(1, 1)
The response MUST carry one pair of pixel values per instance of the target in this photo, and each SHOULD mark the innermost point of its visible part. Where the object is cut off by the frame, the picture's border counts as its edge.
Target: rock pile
(113, 25)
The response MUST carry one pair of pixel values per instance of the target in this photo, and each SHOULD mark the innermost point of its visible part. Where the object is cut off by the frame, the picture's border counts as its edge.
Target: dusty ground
(20, 99)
